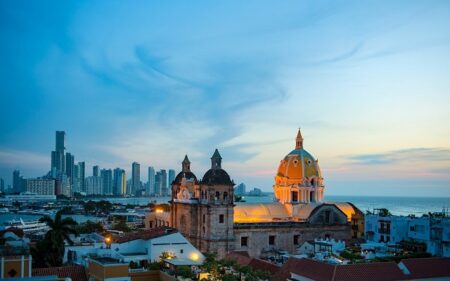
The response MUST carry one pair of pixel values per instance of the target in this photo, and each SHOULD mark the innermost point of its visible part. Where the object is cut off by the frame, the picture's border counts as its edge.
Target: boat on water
(4, 210)
(28, 227)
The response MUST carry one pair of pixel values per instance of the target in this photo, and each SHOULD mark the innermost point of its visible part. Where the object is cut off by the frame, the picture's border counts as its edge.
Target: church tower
(203, 210)
(217, 202)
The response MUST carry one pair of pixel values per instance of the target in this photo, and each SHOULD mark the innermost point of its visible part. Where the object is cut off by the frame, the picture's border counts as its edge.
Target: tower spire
(186, 164)
(216, 160)
(299, 140)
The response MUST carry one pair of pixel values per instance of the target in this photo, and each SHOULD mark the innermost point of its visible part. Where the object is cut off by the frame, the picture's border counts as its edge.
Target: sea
(396, 205)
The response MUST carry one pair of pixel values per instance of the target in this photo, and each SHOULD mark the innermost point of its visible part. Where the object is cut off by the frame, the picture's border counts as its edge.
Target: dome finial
(186, 164)
(299, 140)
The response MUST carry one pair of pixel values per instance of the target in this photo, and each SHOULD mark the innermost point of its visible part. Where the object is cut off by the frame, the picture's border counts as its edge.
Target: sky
(149, 81)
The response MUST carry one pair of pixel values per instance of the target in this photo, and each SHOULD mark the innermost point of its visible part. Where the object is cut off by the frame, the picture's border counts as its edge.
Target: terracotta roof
(145, 235)
(427, 267)
(368, 271)
(308, 268)
(243, 259)
(263, 265)
(319, 271)
(75, 272)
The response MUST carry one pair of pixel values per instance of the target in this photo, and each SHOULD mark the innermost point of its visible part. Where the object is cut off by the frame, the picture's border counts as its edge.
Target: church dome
(188, 175)
(216, 176)
(299, 165)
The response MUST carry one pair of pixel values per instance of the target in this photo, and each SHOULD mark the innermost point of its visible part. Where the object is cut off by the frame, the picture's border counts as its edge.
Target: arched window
(217, 195)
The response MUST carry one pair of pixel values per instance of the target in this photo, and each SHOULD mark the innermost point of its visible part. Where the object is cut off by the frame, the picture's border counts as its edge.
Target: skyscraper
(151, 181)
(70, 159)
(95, 170)
(158, 183)
(18, 185)
(135, 177)
(2, 185)
(58, 158)
(240, 189)
(171, 176)
(81, 171)
(120, 182)
(164, 189)
(107, 183)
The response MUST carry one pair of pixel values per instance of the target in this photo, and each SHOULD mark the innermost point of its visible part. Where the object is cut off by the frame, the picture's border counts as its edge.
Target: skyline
(366, 82)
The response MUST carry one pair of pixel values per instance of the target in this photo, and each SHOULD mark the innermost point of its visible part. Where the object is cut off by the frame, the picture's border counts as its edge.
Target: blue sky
(147, 81)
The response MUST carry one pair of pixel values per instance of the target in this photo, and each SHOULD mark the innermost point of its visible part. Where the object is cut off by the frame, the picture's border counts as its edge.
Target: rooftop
(145, 235)
(74, 272)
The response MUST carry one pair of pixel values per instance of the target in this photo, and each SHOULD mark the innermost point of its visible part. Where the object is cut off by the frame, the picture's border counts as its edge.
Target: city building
(95, 171)
(151, 181)
(18, 182)
(58, 158)
(164, 188)
(70, 163)
(2, 185)
(135, 177)
(240, 189)
(136, 247)
(41, 186)
(158, 184)
(81, 176)
(94, 185)
(204, 210)
(171, 177)
(433, 232)
(107, 181)
(120, 182)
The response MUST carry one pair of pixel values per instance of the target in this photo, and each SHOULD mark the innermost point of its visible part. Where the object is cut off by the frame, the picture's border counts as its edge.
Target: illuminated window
(296, 237)
(271, 239)
(221, 218)
(244, 241)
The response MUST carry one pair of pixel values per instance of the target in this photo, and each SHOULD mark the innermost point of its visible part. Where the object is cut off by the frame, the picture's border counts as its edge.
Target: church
(204, 211)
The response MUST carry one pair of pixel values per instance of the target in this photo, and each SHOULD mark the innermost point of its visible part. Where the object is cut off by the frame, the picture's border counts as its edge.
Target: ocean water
(396, 205)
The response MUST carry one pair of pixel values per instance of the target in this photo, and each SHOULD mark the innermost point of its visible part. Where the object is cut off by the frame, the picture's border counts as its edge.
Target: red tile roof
(427, 267)
(321, 271)
(243, 259)
(386, 271)
(145, 235)
(75, 272)
(311, 269)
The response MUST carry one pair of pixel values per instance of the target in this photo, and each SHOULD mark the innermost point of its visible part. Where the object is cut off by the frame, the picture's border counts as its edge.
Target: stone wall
(258, 235)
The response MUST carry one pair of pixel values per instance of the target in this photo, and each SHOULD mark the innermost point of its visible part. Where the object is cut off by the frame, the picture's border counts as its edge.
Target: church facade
(204, 210)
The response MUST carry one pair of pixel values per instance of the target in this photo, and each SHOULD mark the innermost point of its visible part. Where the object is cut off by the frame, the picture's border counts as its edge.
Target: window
(221, 218)
(217, 195)
(204, 218)
(225, 196)
(181, 251)
(244, 241)
(271, 239)
(296, 239)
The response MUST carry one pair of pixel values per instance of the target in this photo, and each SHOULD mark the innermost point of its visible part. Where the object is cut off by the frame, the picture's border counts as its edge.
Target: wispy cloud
(17, 158)
(403, 155)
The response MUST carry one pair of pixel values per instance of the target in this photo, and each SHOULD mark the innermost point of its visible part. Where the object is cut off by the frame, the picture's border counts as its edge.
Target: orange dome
(296, 166)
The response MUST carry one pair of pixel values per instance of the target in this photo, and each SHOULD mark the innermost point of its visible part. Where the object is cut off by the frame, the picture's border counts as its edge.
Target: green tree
(50, 250)
(121, 226)
(90, 227)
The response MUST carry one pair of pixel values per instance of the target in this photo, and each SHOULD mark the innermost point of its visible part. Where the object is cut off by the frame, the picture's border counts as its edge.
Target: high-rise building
(120, 182)
(58, 158)
(41, 186)
(18, 184)
(70, 163)
(107, 182)
(2, 185)
(158, 183)
(95, 170)
(135, 177)
(151, 181)
(171, 176)
(93, 185)
(240, 189)
(81, 171)
(164, 189)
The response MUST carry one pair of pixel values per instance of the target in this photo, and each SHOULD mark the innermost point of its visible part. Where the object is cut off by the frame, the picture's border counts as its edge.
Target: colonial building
(204, 210)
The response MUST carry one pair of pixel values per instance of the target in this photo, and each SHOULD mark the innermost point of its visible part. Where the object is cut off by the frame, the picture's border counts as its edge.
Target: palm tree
(54, 240)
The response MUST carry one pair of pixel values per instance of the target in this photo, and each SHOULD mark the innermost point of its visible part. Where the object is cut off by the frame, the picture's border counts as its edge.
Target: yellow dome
(297, 166)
